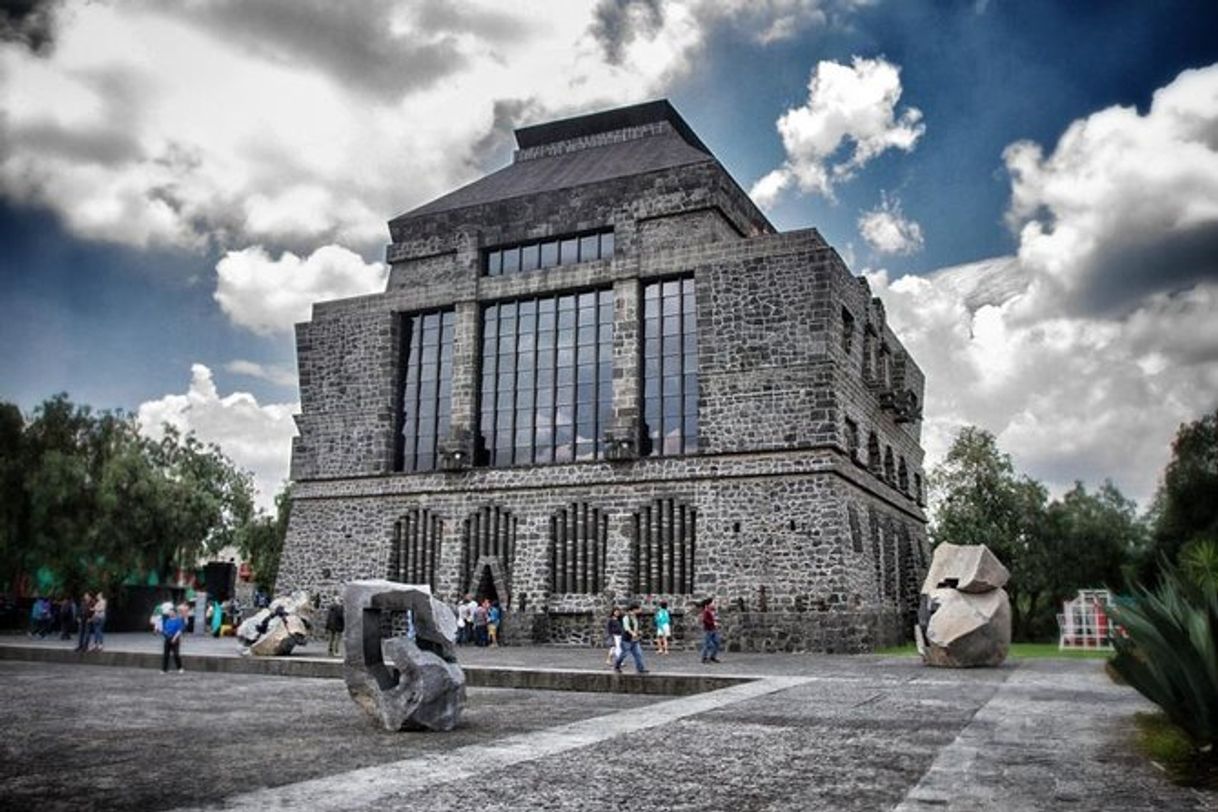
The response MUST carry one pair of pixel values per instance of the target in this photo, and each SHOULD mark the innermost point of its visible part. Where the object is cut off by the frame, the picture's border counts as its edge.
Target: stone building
(600, 374)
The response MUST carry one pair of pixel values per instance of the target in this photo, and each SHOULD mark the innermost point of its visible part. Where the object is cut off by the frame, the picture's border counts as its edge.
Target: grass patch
(1169, 748)
(1019, 651)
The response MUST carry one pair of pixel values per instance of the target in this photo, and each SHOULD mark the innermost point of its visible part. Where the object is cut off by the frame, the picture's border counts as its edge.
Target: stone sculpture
(408, 682)
(279, 628)
(964, 615)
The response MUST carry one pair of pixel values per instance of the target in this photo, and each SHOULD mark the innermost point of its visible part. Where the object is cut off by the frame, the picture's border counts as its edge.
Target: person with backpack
(494, 617)
(631, 632)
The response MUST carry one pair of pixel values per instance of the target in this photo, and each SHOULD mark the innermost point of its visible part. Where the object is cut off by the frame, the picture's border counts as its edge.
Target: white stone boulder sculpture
(406, 682)
(964, 615)
(278, 629)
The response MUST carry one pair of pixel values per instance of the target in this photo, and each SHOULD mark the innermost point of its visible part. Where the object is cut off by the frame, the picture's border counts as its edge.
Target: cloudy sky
(1032, 187)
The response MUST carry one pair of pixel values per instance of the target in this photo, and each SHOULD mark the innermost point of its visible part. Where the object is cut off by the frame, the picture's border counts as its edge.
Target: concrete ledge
(540, 679)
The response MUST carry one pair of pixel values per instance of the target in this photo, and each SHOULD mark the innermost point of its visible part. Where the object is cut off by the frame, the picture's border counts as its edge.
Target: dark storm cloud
(491, 151)
(361, 49)
(29, 22)
(1131, 266)
(616, 23)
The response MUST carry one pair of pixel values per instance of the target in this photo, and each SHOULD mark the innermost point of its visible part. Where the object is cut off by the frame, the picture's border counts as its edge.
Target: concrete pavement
(795, 732)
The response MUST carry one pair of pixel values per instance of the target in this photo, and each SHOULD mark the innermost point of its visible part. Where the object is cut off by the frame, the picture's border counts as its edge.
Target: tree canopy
(1186, 506)
(1053, 548)
(93, 501)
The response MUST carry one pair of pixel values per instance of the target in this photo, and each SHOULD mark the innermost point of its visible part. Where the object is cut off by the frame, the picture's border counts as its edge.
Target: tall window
(547, 378)
(670, 366)
(426, 388)
(847, 332)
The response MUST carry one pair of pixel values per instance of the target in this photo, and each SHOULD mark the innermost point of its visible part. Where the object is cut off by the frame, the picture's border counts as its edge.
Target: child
(663, 628)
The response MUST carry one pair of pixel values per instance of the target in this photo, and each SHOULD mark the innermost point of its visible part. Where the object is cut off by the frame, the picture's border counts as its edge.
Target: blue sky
(178, 182)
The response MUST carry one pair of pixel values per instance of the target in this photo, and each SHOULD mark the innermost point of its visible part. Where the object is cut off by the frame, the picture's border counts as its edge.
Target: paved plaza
(804, 732)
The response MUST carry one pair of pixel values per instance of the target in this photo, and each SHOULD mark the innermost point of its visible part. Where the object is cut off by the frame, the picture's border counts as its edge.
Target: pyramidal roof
(585, 149)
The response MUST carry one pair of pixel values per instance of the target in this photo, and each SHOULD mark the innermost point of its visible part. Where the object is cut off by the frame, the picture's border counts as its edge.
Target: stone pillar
(624, 428)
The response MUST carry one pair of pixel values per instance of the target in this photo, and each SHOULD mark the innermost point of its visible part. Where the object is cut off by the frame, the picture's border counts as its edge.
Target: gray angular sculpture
(278, 629)
(964, 616)
(403, 683)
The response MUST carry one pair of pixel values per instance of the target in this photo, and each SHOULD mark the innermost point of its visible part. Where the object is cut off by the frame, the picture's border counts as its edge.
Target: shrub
(1199, 563)
(1169, 653)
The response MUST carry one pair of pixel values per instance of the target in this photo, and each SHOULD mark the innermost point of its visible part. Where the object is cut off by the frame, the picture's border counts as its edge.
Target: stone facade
(801, 511)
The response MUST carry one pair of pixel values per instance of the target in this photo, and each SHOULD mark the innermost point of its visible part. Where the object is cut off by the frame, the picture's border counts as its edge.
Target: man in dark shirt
(335, 625)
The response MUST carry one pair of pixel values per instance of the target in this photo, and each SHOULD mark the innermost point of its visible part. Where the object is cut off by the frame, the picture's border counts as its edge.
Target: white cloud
(257, 438)
(1125, 205)
(1071, 397)
(887, 231)
(278, 375)
(1035, 348)
(225, 124)
(271, 295)
(850, 118)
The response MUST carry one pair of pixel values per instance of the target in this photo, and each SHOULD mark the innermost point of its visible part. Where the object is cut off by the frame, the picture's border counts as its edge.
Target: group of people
(478, 622)
(624, 633)
(87, 618)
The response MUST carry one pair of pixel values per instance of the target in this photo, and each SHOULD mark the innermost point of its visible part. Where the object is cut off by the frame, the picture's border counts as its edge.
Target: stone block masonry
(796, 497)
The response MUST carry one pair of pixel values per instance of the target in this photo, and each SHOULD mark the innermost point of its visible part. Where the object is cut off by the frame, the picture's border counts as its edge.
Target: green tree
(261, 543)
(99, 501)
(1090, 540)
(980, 499)
(1186, 505)
(12, 493)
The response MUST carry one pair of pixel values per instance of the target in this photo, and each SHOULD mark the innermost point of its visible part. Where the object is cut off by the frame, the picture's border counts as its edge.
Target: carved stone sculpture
(409, 682)
(964, 616)
(279, 628)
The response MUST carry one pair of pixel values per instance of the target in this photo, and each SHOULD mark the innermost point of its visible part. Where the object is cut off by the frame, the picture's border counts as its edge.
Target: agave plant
(1168, 651)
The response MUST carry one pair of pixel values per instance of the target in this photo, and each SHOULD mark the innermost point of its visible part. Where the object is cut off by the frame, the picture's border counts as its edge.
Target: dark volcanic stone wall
(802, 543)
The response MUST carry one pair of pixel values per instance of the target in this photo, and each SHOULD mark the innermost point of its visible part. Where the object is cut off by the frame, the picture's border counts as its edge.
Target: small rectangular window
(549, 254)
(530, 257)
(606, 244)
(589, 248)
(511, 260)
(568, 252)
(494, 263)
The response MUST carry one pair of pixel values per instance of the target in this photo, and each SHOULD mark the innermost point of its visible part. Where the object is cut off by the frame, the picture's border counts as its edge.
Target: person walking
(172, 626)
(335, 625)
(663, 628)
(613, 633)
(631, 631)
(97, 623)
(710, 630)
(86, 611)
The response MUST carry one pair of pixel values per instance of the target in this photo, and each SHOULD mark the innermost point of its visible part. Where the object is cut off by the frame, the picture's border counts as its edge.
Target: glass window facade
(547, 379)
(670, 367)
(530, 256)
(426, 388)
